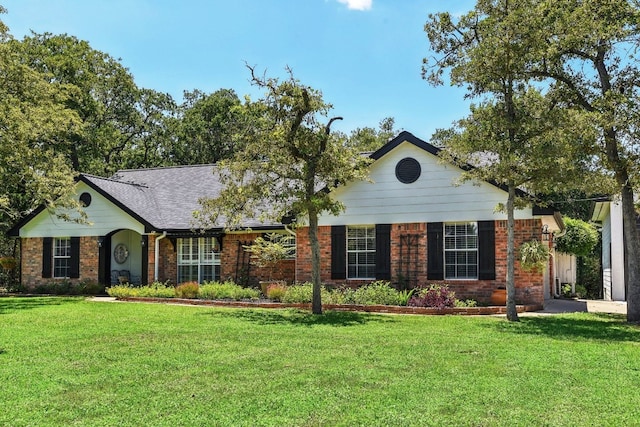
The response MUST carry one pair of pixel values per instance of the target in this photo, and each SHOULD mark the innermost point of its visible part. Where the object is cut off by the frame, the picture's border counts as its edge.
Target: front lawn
(67, 361)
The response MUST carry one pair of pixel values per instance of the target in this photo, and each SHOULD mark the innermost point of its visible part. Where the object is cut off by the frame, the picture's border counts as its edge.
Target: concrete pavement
(555, 306)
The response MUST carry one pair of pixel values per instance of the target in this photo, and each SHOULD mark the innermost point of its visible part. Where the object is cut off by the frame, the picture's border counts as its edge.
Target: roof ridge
(114, 180)
(169, 167)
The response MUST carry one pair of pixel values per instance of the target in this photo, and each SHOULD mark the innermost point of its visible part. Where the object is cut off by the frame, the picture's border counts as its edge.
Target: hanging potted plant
(534, 256)
(267, 253)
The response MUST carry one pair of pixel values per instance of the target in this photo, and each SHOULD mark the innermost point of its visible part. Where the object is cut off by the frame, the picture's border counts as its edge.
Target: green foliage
(268, 252)
(35, 115)
(370, 139)
(465, 303)
(580, 237)
(296, 294)
(206, 128)
(121, 125)
(154, 290)
(404, 296)
(589, 273)
(276, 292)
(66, 287)
(226, 290)
(581, 291)
(187, 290)
(289, 157)
(376, 293)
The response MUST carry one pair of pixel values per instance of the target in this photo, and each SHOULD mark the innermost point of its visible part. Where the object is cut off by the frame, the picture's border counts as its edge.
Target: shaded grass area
(66, 361)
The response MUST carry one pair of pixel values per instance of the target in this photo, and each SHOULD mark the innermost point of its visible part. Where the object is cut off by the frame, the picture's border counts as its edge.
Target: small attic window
(85, 199)
(408, 170)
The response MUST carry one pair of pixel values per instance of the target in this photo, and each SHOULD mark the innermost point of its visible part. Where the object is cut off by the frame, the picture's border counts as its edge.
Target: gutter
(156, 256)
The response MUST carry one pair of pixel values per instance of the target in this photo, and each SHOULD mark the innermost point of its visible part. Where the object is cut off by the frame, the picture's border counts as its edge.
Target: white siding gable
(104, 217)
(434, 197)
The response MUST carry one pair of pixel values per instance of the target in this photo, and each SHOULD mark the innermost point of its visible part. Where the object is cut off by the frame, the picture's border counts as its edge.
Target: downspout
(156, 256)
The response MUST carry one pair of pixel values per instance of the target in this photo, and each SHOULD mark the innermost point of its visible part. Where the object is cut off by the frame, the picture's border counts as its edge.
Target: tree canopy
(33, 119)
(514, 131)
(290, 158)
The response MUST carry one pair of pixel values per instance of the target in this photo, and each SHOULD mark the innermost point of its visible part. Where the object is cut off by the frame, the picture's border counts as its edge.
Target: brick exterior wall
(410, 240)
(89, 259)
(235, 262)
(408, 262)
(31, 262)
(167, 261)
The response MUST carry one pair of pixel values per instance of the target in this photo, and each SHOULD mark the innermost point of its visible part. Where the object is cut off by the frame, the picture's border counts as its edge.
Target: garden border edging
(393, 309)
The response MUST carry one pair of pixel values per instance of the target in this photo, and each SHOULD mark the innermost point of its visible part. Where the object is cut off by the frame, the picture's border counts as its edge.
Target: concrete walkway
(555, 306)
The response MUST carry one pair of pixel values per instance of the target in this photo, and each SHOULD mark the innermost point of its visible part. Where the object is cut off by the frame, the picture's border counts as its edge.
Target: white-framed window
(61, 257)
(461, 250)
(198, 259)
(361, 252)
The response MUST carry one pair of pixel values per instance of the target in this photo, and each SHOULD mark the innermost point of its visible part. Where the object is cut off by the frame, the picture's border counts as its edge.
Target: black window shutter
(145, 260)
(383, 251)
(47, 256)
(486, 250)
(338, 252)
(435, 255)
(74, 262)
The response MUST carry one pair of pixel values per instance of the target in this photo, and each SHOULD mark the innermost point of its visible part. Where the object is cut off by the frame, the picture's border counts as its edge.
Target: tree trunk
(632, 252)
(316, 303)
(630, 231)
(512, 313)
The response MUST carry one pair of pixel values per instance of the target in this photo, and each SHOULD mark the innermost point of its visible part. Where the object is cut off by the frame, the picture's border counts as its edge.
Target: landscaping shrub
(302, 293)
(65, 287)
(466, 303)
(121, 291)
(435, 296)
(581, 291)
(276, 292)
(154, 290)
(187, 290)
(376, 293)
(226, 290)
(338, 296)
(404, 296)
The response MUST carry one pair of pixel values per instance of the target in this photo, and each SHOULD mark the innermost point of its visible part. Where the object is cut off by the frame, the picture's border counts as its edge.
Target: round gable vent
(85, 198)
(408, 170)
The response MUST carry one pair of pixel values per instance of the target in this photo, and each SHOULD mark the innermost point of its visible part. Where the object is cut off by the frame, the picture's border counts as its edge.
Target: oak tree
(290, 161)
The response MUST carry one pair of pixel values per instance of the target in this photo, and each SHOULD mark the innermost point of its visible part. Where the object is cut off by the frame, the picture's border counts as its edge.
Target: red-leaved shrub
(435, 296)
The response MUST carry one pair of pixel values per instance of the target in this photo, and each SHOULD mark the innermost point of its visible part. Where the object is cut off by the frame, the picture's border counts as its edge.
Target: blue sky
(364, 55)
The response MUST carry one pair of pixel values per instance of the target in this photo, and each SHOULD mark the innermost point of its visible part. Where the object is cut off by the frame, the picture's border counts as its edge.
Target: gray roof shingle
(165, 198)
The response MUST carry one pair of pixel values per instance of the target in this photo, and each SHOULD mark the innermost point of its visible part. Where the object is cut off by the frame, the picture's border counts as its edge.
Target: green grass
(67, 361)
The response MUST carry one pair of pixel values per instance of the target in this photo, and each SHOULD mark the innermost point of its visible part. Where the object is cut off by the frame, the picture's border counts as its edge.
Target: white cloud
(357, 4)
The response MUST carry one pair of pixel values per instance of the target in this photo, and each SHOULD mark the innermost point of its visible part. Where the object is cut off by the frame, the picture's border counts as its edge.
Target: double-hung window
(61, 258)
(361, 252)
(461, 250)
(198, 259)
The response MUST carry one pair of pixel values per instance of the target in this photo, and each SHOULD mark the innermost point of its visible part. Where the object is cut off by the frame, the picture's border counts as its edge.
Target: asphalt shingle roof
(164, 197)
